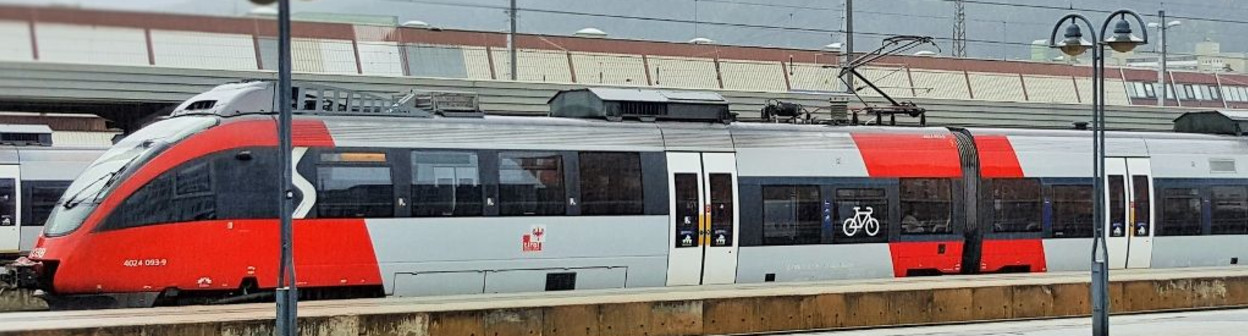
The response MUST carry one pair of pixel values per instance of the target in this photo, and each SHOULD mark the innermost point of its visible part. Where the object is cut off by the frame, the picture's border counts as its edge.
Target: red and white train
(184, 209)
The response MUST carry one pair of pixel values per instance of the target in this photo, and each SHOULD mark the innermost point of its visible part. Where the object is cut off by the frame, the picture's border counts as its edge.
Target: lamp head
(1073, 44)
(1122, 40)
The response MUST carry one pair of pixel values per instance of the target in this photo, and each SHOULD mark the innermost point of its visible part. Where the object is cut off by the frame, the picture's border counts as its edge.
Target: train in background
(37, 164)
(426, 196)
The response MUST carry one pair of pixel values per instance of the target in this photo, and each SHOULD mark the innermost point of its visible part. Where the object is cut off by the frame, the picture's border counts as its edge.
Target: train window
(8, 202)
(530, 184)
(1117, 206)
(722, 212)
(791, 215)
(688, 210)
(354, 191)
(247, 188)
(1072, 211)
(926, 206)
(146, 206)
(1143, 205)
(1015, 204)
(446, 184)
(1181, 212)
(193, 198)
(38, 199)
(611, 184)
(1229, 210)
(861, 215)
(182, 194)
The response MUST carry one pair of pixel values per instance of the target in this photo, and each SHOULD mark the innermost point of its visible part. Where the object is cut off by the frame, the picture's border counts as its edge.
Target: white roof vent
(591, 32)
(701, 40)
(265, 11)
(925, 53)
(832, 47)
(416, 24)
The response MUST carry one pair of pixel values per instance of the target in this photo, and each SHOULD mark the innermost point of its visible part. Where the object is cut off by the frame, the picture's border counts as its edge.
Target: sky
(996, 29)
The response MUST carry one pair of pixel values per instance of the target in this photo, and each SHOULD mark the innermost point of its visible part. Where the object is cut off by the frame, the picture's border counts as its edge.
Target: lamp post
(1162, 26)
(1073, 44)
(287, 295)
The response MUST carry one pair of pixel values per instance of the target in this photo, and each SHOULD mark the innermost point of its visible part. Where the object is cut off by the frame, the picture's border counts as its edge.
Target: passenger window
(354, 185)
(1181, 212)
(1230, 210)
(1072, 211)
(1016, 205)
(926, 206)
(791, 215)
(611, 184)
(38, 199)
(861, 215)
(530, 184)
(446, 184)
(193, 198)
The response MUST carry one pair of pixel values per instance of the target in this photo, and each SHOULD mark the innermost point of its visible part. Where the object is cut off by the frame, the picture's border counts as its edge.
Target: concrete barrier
(689, 311)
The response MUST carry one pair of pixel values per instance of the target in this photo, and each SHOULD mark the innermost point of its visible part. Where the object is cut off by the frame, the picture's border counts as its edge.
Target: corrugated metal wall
(26, 80)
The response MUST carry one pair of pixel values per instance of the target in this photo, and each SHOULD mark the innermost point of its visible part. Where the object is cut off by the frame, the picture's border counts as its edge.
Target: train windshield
(98, 179)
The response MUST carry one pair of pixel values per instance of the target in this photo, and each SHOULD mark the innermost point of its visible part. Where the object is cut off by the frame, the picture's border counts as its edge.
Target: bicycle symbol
(861, 220)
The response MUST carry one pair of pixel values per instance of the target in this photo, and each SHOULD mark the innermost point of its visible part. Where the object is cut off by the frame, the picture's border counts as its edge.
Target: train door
(10, 226)
(1130, 210)
(703, 244)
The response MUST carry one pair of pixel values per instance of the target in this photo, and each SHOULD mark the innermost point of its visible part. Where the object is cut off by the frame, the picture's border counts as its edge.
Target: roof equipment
(1231, 122)
(252, 97)
(616, 104)
(25, 135)
(889, 46)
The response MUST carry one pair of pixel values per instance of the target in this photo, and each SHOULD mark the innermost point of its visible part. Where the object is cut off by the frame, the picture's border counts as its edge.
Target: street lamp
(287, 295)
(1073, 44)
(1161, 62)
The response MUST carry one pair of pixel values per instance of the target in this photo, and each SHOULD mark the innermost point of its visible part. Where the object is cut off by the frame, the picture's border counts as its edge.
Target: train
(185, 209)
(34, 173)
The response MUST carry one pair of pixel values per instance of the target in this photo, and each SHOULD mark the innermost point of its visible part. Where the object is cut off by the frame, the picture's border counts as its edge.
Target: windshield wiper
(74, 200)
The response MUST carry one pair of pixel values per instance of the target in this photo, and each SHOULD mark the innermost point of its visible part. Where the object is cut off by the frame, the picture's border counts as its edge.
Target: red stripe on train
(997, 157)
(909, 155)
(944, 257)
(1001, 253)
(218, 255)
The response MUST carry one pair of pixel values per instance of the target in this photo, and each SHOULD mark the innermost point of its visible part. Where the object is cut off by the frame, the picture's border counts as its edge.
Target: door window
(686, 217)
(721, 209)
(1117, 206)
(8, 202)
(1143, 210)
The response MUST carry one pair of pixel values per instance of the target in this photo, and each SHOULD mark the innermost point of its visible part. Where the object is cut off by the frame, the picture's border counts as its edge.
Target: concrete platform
(1232, 322)
(702, 310)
